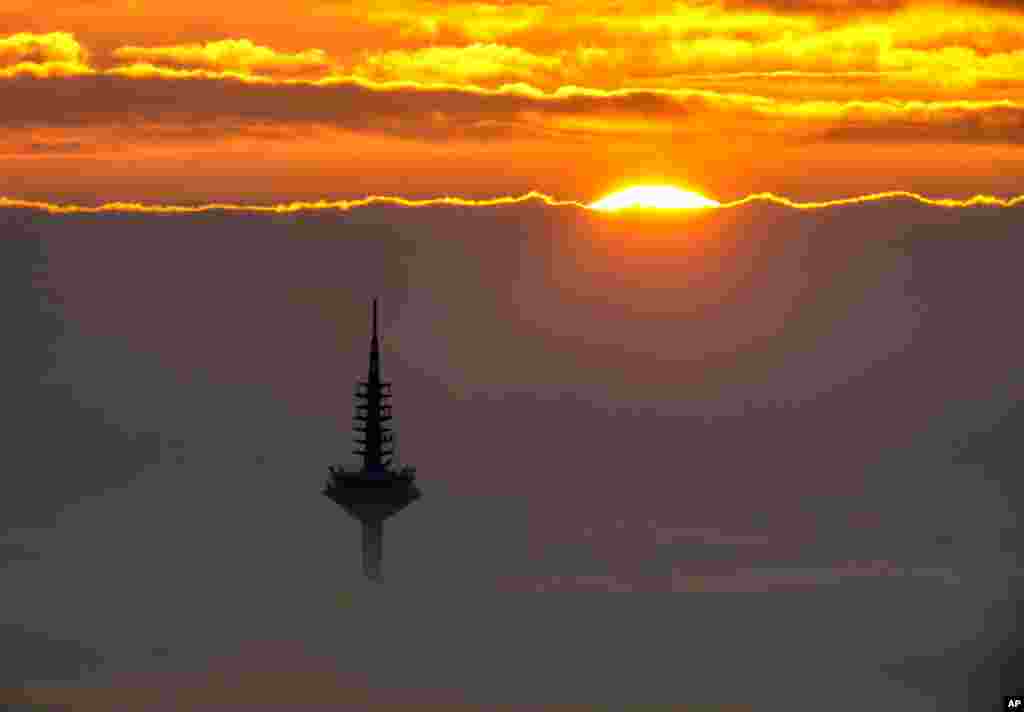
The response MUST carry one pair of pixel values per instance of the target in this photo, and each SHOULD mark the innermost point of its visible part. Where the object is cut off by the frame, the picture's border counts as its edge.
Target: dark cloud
(59, 147)
(997, 125)
(40, 657)
(159, 109)
(807, 393)
(1000, 4)
(851, 7)
(818, 7)
(88, 100)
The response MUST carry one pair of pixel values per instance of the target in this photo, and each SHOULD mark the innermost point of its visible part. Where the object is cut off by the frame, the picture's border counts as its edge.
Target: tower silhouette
(376, 491)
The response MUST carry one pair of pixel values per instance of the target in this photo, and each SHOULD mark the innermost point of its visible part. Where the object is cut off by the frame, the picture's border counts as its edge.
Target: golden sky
(192, 102)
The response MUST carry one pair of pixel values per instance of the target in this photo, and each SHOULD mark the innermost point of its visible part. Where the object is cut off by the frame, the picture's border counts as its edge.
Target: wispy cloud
(240, 55)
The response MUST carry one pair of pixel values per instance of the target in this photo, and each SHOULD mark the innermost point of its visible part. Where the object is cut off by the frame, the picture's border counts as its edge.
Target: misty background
(820, 409)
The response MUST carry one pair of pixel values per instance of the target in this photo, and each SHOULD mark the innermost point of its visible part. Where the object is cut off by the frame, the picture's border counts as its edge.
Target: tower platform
(374, 495)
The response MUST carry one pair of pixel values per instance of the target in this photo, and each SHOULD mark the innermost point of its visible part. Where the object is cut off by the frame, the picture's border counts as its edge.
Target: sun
(659, 197)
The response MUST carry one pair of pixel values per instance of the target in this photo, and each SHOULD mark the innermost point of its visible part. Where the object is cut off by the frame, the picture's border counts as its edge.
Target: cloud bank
(816, 405)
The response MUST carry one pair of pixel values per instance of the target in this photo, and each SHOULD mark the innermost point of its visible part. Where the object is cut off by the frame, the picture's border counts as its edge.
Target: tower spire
(373, 411)
(374, 347)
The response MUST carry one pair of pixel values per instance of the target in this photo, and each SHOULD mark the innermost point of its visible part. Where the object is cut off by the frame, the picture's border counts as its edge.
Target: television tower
(377, 491)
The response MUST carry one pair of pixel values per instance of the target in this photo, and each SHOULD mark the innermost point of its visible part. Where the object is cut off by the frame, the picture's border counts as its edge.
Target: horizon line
(345, 205)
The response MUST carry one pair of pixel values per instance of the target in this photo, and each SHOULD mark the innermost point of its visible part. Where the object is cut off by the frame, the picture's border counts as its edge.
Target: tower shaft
(373, 548)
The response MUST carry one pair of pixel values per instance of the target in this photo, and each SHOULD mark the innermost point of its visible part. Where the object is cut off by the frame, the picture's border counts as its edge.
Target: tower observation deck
(377, 490)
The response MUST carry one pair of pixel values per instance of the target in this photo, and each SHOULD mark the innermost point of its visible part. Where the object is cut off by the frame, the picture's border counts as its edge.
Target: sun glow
(658, 197)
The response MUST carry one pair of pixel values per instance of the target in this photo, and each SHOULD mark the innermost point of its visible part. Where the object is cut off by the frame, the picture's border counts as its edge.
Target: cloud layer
(148, 93)
(808, 402)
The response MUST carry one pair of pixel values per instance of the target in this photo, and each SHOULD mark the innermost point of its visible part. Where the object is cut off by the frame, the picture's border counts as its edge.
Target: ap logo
(1014, 703)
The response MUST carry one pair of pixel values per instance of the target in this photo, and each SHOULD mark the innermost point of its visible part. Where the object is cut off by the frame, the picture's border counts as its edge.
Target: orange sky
(193, 102)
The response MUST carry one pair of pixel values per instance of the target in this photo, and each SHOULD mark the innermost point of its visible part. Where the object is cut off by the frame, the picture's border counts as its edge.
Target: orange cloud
(51, 47)
(763, 79)
(471, 64)
(905, 47)
(240, 55)
(42, 55)
(919, 48)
